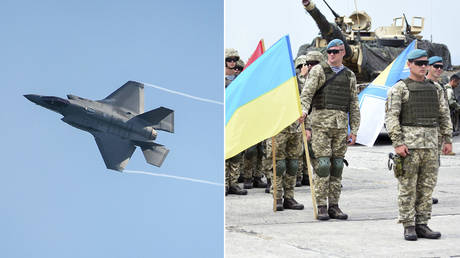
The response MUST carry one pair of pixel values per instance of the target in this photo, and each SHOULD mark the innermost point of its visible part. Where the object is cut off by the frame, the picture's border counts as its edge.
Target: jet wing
(129, 96)
(115, 151)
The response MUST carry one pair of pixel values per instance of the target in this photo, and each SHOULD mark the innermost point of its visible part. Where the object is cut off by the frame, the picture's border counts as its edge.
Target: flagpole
(310, 174)
(274, 172)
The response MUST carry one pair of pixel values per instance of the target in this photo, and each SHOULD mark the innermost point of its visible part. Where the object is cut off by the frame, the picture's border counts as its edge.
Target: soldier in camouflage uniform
(434, 73)
(452, 101)
(301, 70)
(414, 110)
(232, 165)
(331, 91)
(311, 59)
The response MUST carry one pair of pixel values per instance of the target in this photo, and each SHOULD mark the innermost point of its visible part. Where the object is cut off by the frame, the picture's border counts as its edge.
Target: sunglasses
(231, 59)
(438, 66)
(333, 51)
(421, 62)
(312, 63)
(238, 68)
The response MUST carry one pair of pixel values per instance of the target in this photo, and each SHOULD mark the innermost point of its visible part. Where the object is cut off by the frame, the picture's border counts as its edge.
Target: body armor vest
(336, 94)
(422, 109)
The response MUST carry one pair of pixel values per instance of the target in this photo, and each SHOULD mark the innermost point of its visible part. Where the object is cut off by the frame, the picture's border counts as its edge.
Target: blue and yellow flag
(262, 100)
(372, 99)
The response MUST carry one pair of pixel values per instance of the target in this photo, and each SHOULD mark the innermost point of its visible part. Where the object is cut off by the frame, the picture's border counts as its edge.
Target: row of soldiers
(417, 119)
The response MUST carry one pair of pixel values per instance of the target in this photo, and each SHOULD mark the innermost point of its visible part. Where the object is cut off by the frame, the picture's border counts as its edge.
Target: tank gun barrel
(329, 31)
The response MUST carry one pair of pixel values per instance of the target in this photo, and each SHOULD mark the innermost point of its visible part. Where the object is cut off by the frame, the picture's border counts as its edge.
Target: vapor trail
(183, 94)
(175, 177)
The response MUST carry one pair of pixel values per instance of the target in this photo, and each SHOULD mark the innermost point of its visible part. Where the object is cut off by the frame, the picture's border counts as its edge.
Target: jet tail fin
(154, 153)
(160, 118)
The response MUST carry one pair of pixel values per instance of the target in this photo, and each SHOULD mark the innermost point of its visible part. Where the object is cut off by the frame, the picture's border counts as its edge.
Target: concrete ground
(369, 196)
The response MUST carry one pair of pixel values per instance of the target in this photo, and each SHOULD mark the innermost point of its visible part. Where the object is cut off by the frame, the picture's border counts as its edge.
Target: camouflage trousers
(328, 143)
(288, 149)
(267, 160)
(252, 164)
(232, 170)
(416, 185)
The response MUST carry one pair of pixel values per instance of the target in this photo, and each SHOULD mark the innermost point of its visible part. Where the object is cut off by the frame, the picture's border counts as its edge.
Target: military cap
(434, 59)
(300, 60)
(240, 63)
(231, 52)
(314, 56)
(334, 42)
(416, 53)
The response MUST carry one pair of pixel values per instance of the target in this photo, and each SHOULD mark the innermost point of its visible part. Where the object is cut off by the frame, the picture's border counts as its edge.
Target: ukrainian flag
(262, 100)
(372, 99)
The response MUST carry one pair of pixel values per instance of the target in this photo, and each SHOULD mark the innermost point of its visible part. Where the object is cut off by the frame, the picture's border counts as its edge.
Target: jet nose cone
(32, 97)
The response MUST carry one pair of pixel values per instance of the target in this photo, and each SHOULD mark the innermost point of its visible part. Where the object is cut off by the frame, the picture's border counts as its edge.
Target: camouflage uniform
(329, 134)
(252, 163)
(311, 56)
(267, 160)
(288, 149)
(418, 179)
(300, 83)
(232, 170)
(451, 99)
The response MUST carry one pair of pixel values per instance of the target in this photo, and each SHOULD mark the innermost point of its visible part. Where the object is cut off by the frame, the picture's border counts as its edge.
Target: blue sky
(57, 199)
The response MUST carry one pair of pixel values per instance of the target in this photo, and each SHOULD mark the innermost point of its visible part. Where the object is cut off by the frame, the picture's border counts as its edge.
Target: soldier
(452, 100)
(434, 72)
(331, 91)
(413, 111)
(311, 59)
(231, 57)
(238, 67)
(301, 70)
(232, 165)
(252, 168)
(288, 150)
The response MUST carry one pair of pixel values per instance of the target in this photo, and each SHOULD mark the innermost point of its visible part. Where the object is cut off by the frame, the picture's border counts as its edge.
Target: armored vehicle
(369, 52)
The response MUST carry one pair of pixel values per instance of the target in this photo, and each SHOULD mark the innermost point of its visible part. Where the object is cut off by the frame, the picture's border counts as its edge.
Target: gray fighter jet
(118, 123)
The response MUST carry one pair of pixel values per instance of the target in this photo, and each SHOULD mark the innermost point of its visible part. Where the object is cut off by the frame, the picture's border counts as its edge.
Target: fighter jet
(118, 123)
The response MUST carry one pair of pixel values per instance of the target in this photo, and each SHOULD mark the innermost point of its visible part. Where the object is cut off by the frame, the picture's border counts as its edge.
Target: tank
(369, 52)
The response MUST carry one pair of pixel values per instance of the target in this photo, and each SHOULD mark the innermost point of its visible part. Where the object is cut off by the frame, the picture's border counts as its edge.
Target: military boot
(279, 205)
(247, 183)
(226, 190)
(335, 212)
(423, 231)
(235, 189)
(269, 185)
(305, 180)
(258, 183)
(290, 203)
(322, 212)
(409, 233)
(298, 182)
(434, 200)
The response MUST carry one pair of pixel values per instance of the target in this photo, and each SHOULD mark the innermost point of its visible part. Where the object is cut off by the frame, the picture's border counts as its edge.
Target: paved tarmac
(369, 196)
